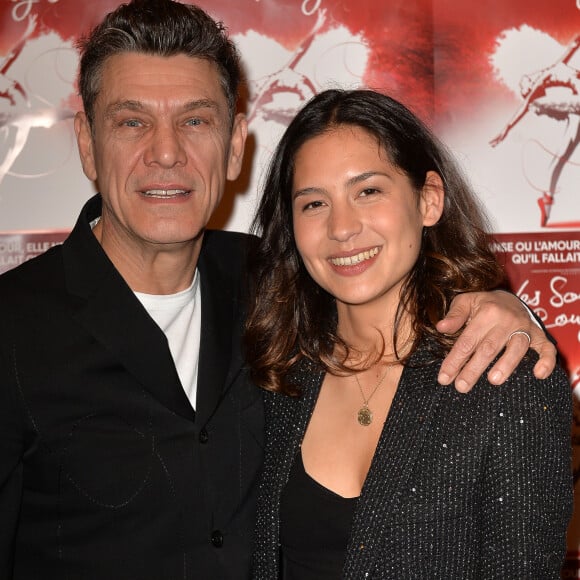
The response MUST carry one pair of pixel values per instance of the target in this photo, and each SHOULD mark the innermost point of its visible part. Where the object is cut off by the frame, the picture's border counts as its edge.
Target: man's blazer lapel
(220, 356)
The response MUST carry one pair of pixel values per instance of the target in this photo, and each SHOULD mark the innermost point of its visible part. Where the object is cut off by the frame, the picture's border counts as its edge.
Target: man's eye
(194, 122)
(132, 123)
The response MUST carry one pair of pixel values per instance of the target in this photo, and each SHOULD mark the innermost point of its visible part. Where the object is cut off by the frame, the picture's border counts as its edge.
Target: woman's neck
(369, 331)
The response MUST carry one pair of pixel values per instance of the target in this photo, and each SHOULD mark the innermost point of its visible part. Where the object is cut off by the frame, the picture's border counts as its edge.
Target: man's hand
(492, 317)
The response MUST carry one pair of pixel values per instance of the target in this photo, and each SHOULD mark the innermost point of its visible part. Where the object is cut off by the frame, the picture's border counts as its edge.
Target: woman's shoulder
(522, 387)
(306, 377)
(556, 385)
(525, 394)
(522, 394)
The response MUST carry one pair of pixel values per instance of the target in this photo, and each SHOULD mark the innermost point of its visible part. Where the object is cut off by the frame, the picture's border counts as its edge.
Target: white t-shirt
(179, 317)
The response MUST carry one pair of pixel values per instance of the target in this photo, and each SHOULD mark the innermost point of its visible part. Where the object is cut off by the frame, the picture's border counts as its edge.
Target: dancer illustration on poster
(14, 135)
(19, 118)
(283, 73)
(286, 80)
(555, 92)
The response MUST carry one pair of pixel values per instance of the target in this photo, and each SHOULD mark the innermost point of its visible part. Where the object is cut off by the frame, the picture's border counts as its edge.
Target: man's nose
(166, 147)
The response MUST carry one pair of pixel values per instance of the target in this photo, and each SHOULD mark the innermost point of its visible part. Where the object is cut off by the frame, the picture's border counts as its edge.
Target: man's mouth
(356, 258)
(164, 193)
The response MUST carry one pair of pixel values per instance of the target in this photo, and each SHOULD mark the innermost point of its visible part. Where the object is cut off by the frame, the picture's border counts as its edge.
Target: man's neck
(158, 269)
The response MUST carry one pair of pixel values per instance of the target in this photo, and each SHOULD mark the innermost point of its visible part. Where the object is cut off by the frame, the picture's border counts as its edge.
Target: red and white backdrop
(499, 82)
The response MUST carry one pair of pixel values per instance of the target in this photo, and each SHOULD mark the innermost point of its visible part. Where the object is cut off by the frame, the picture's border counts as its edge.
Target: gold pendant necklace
(365, 415)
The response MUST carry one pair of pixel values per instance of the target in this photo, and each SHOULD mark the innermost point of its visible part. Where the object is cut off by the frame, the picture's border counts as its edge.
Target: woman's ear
(432, 199)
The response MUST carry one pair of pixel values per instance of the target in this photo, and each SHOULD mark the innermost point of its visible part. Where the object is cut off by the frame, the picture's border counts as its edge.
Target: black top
(314, 527)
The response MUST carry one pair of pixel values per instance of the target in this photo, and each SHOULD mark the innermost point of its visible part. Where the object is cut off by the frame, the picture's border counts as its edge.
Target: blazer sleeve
(527, 492)
(11, 468)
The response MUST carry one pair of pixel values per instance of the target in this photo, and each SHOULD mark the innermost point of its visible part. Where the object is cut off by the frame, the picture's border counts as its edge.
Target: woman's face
(357, 220)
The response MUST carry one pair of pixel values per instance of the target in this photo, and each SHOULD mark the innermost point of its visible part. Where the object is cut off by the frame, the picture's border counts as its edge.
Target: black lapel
(406, 427)
(291, 435)
(109, 311)
(220, 358)
(286, 422)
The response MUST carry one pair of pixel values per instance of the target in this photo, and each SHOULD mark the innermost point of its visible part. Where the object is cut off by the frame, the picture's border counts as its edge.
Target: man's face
(161, 148)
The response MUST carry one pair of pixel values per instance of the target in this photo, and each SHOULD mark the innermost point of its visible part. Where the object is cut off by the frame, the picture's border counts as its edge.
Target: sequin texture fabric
(462, 486)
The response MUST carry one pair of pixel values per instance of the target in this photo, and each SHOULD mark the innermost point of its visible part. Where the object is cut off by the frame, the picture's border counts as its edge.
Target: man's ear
(85, 145)
(237, 145)
(432, 199)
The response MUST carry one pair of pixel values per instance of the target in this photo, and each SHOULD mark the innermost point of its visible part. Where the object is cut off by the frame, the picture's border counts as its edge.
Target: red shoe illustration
(545, 204)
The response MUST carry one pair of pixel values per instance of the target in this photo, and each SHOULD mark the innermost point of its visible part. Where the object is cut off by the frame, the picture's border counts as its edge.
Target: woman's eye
(313, 205)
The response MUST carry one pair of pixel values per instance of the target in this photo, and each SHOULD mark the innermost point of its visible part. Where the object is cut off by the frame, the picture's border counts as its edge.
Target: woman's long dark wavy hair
(290, 316)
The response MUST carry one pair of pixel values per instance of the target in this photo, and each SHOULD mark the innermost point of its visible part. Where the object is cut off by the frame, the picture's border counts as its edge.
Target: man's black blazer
(106, 472)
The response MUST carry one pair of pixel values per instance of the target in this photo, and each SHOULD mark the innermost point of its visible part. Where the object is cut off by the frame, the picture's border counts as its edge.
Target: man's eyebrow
(119, 106)
(201, 104)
